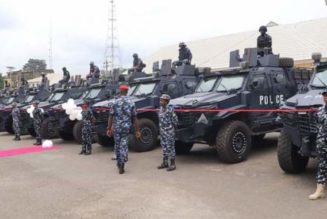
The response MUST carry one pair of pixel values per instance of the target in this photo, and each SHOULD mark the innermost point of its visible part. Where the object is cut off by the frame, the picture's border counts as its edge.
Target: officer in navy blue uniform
(321, 177)
(121, 117)
(167, 123)
(37, 122)
(88, 119)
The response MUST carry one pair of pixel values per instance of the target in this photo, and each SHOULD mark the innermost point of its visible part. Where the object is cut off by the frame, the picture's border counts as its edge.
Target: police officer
(122, 115)
(66, 76)
(94, 71)
(167, 123)
(88, 120)
(37, 122)
(15, 113)
(185, 55)
(44, 81)
(138, 64)
(321, 177)
(264, 42)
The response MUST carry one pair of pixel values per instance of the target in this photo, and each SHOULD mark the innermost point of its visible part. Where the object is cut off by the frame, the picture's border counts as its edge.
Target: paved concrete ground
(62, 184)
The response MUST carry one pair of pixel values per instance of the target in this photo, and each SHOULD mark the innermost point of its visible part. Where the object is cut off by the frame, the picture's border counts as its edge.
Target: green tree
(35, 65)
(2, 81)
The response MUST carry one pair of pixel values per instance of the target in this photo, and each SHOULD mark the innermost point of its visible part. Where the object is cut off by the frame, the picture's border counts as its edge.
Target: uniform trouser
(321, 177)
(167, 141)
(121, 148)
(16, 128)
(87, 138)
(37, 129)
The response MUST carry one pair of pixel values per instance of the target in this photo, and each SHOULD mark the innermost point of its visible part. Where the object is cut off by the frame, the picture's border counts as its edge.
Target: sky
(79, 28)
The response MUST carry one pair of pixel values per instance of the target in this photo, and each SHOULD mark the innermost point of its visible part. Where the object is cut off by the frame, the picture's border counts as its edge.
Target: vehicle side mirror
(190, 85)
(171, 87)
(255, 84)
(278, 79)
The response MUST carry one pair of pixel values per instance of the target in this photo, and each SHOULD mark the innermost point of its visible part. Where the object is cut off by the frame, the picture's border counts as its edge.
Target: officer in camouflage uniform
(88, 119)
(37, 122)
(264, 42)
(321, 177)
(121, 116)
(15, 113)
(167, 123)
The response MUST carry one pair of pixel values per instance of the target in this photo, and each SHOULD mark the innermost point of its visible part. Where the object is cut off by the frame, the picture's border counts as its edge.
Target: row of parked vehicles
(229, 109)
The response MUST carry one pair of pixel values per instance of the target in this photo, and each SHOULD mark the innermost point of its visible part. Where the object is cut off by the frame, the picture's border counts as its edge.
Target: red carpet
(25, 150)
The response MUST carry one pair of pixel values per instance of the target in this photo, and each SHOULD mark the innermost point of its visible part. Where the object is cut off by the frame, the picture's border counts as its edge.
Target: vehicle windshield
(56, 96)
(29, 98)
(320, 78)
(10, 100)
(206, 85)
(232, 82)
(144, 89)
(131, 90)
(93, 93)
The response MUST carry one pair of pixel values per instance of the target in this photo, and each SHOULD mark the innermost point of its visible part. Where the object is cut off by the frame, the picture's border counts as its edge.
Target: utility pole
(50, 45)
(112, 52)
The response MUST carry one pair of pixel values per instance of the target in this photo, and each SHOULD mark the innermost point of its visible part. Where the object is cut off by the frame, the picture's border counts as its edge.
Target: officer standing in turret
(15, 113)
(167, 123)
(185, 55)
(37, 122)
(264, 42)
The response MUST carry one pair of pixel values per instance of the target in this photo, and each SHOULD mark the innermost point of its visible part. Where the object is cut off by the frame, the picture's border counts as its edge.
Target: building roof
(53, 78)
(297, 41)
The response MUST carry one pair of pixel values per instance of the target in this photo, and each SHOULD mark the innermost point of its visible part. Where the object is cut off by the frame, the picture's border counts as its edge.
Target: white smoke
(47, 144)
(74, 112)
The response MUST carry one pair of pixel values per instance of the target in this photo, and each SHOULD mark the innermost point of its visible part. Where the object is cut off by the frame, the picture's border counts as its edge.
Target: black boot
(88, 152)
(38, 142)
(15, 139)
(82, 152)
(163, 165)
(18, 138)
(121, 169)
(171, 165)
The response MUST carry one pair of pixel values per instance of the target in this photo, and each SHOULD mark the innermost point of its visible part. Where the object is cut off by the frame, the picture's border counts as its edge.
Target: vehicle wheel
(149, 136)
(233, 142)
(286, 62)
(46, 131)
(183, 147)
(288, 157)
(8, 125)
(105, 141)
(66, 136)
(77, 131)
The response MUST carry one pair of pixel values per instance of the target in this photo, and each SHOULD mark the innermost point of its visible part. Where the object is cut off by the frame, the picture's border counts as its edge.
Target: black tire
(8, 125)
(77, 131)
(183, 147)
(66, 136)
(46, 132)
(286, 62)
(290, 161)
(105, 141)
(149, 136)
(233, 142)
